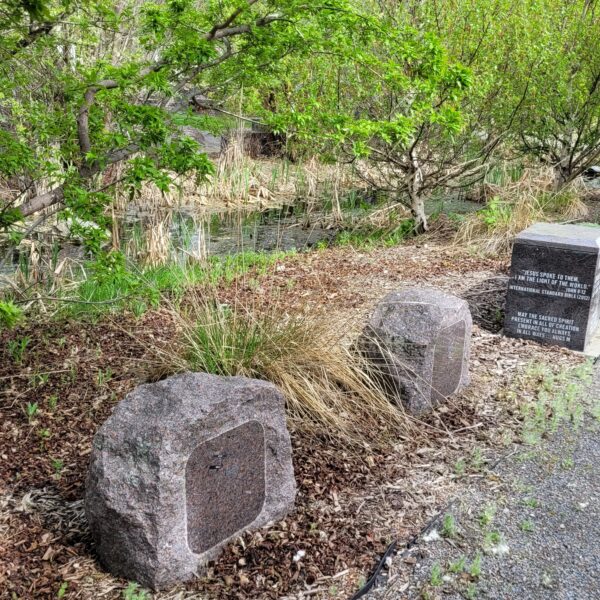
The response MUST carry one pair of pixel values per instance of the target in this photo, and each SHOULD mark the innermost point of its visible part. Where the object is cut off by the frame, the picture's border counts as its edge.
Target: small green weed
(16, 348)
(449, 528)
(103, 377)
(44, 434)
(487, 515)
(58, 466)
(62, 590)
(458, 566)
(73, 373)
(527, 526)
(567, 463)
(492, 538)
(475, 567)
(31, 409)
(460, 467)
(52, 402)
(477, 459)
(436, 577)
(39, 379)
(133, 592)
(10, 315)
(595, 411)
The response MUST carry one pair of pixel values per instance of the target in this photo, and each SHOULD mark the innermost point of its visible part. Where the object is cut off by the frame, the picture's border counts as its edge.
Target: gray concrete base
(592, 348)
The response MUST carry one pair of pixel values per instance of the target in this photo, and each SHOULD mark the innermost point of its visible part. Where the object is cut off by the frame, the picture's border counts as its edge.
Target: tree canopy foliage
(421, 95)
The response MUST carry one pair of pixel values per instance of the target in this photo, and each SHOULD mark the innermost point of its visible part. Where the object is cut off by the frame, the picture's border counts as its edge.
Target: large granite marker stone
(181, 467)
(553, 288)
(418, 340)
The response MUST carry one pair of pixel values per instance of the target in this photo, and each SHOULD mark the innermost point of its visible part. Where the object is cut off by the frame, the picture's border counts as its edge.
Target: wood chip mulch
(351, 503)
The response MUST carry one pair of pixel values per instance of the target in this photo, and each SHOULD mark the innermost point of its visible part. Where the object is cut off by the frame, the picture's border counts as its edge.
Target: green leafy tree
(87, 85)
(560, 122)
(539, 61)
(389, 99)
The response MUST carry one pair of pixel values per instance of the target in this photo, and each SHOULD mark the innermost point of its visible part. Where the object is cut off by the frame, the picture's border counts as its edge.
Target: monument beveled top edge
(428, 295)
(584, 238)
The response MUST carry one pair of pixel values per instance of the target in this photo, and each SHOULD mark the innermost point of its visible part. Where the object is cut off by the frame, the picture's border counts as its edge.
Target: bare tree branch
(57, 195)
(33, 34)
(83, 128)
(232, 17)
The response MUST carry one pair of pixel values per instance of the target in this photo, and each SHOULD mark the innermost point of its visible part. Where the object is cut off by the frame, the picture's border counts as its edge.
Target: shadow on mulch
(487, 301)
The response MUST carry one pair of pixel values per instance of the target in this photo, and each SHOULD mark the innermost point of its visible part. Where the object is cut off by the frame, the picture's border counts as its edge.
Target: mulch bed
(351, 503)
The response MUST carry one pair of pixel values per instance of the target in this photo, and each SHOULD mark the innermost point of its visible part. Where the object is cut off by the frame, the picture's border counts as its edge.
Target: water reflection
(158, 236)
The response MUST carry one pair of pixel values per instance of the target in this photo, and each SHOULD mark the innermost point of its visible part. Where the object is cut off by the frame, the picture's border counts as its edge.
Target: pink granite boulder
(180, 468)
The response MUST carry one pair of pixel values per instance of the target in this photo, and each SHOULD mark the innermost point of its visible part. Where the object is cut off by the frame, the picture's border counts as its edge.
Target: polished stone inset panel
(553, 288)
(448, 359)
(225, 485)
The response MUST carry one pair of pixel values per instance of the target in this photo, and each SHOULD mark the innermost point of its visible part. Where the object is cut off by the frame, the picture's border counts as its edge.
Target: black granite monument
(553, 291)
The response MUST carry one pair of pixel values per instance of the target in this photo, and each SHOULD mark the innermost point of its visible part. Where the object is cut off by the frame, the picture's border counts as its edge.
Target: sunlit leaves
(102, 80)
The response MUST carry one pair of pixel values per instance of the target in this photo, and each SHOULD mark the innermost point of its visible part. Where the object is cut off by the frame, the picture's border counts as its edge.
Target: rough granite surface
(136, 500)
(419, 340)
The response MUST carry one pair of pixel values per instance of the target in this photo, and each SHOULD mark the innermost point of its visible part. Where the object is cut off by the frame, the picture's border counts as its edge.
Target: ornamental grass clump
(328, 388)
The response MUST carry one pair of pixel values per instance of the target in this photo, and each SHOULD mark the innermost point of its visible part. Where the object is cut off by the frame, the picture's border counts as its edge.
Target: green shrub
(10, 315)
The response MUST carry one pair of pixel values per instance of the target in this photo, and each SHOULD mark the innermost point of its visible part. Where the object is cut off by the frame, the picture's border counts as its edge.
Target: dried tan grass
(516, 206)
(158, 240)
(243, 181)
(330, 390)
(575, 207)
(387, 216)
(496, 237)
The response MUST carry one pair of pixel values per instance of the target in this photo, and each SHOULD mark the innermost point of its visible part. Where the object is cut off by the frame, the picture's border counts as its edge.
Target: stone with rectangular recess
(418, 342)
(180, 468)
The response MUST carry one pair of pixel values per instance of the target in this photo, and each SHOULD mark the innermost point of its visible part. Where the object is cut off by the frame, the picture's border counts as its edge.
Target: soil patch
(351, 503)
(487, 301)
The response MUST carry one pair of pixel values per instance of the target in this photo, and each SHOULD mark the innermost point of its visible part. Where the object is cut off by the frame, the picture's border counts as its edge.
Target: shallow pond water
(176, 235)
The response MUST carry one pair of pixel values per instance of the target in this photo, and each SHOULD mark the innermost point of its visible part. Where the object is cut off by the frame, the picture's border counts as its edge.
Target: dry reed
(243, 181)
(515, 206)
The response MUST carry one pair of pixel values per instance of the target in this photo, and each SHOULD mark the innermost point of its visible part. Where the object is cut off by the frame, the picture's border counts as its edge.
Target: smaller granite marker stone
(181, 467)
(418, 340)
(553, 292)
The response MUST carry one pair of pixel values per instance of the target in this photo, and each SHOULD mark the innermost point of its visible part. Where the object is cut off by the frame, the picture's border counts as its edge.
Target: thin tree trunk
(417, 207)
(561, 176)
(417, 203)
